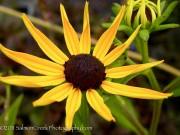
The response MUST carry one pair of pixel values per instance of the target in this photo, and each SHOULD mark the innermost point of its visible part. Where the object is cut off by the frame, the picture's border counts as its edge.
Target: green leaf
(115, 8)
(117, 42)
(122, 108)
(81, 118)
(1, 119)
(164, 16)
(166, 26)
(173, 87)
(162, 5)
(128, 30)
(12, 114)
(126, 79)
(176, 91)
(119, 61)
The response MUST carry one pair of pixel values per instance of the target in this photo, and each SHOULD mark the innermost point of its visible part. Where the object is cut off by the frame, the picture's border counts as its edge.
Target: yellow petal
(48, 47)
(33, 81)
(105, 41)
(97, 103)
(123, 71)
(72, 105)
(134, 92)
(85, 40)
(70, 34)
(58, 93)
(115, 53)
(36, 64)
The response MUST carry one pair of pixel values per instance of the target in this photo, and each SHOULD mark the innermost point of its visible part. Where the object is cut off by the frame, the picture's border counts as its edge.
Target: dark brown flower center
(84, 71)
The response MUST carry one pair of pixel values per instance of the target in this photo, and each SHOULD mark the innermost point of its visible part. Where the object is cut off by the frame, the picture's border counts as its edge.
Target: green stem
(155, 85)
(155, 118)
(153, 81)
(130, 62)
(145, 52)
(6, 106)
(7, 103)
(157, 104)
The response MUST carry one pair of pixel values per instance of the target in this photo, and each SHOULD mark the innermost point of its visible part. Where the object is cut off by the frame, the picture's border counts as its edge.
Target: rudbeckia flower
(82, 72)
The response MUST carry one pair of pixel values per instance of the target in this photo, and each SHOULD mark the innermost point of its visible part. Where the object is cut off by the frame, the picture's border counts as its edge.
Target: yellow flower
(82, 72)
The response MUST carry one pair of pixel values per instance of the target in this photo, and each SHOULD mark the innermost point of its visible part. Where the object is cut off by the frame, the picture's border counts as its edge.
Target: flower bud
(141, 12)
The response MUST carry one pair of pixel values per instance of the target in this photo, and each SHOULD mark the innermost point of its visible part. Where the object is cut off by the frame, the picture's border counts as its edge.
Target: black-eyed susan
(82, 72)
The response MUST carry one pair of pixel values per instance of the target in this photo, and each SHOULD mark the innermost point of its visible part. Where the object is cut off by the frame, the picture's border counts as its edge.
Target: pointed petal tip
(61, 6)
(35, 103)
(42, 102)
(133, 92)
(164, 96)
(168, 95)
(86, 3)
(114, 120)
(161, 61)
(138, 27)
(23, 14)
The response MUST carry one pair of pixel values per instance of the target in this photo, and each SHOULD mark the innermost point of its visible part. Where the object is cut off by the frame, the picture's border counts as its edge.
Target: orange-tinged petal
(123, 71)
(72, 105)
(58, 93)
(115, 53)
(134, 92)
(48, 47)
(36, 64)
(85, 40)
(97, 103)
(33, 81)
(105, 41)
(70, 34)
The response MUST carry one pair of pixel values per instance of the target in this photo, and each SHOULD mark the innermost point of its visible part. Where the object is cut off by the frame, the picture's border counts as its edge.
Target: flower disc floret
(84, 71)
